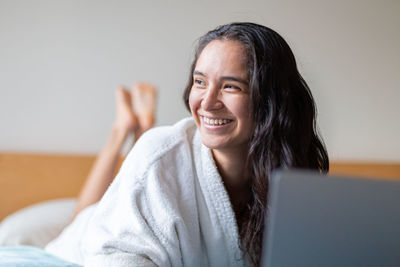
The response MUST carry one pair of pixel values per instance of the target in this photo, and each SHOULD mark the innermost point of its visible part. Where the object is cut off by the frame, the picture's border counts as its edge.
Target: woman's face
(220, 96)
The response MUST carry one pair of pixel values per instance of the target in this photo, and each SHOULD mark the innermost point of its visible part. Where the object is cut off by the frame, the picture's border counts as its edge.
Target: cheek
(241, 107)
(194, 101)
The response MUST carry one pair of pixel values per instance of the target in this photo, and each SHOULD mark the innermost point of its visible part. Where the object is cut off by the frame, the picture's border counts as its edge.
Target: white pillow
(38, 224)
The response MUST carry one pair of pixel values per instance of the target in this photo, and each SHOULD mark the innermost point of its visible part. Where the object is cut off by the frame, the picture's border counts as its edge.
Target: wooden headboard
(29, 178)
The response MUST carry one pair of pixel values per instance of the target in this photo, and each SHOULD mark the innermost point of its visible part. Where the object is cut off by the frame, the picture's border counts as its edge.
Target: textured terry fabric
(67, 244)
(166, 207)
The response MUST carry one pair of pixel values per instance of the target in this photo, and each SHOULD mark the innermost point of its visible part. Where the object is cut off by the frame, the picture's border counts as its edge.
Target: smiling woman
(194, 194)
(247, 73)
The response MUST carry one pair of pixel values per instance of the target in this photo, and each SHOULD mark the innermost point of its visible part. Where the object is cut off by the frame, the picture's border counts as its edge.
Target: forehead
(223, 57)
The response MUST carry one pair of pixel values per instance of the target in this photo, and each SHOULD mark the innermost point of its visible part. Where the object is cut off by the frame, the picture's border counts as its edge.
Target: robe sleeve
(135, 222)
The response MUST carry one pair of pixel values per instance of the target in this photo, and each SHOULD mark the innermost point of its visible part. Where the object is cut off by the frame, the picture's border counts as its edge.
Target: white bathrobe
(166, 207)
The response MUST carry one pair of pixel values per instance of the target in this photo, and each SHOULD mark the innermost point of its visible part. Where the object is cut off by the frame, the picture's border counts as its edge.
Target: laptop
(318, 220)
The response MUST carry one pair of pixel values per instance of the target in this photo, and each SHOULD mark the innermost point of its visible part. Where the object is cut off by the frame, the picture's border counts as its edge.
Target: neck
(232, 168)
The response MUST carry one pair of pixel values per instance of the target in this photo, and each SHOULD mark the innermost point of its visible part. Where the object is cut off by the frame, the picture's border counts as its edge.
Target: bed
(41, 189)
(30, 178)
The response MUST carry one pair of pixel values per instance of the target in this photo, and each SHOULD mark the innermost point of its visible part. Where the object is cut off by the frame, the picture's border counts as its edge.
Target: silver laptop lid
(317, 220)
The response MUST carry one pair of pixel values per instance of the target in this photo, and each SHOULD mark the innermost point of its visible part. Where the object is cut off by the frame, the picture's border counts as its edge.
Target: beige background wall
(60, 62)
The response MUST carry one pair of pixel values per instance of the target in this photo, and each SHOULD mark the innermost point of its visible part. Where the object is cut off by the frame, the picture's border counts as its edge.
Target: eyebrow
(230, 78)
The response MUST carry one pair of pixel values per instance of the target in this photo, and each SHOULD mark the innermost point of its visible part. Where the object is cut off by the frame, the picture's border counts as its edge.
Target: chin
(211, 143)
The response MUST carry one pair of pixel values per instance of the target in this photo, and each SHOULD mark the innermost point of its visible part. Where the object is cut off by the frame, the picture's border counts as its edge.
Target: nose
(211, 99)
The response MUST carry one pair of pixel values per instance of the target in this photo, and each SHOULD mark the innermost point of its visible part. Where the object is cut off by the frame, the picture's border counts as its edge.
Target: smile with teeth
(215, 121)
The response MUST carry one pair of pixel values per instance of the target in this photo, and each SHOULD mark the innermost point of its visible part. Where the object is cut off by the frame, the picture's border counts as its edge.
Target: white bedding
(38, 224)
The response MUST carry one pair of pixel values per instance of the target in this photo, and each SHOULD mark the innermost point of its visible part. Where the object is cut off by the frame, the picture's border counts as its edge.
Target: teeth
(215, 121)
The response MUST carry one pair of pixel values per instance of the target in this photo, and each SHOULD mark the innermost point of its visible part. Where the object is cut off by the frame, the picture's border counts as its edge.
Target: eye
(232, 88)
(199, 82)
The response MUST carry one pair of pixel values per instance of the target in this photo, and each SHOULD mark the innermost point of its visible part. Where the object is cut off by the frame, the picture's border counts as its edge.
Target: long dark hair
(284, 115)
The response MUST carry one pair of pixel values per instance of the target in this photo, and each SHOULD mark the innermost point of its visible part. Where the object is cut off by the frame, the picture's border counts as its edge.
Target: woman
(283, 112)
(194, 194)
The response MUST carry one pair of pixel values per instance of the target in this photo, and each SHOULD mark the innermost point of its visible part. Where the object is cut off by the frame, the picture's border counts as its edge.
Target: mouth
(214, 121)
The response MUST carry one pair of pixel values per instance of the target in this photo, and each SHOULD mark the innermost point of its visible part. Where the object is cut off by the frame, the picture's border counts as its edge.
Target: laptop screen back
(317, 220)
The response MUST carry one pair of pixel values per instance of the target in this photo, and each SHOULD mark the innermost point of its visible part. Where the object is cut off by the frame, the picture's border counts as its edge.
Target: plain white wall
(60, 62)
